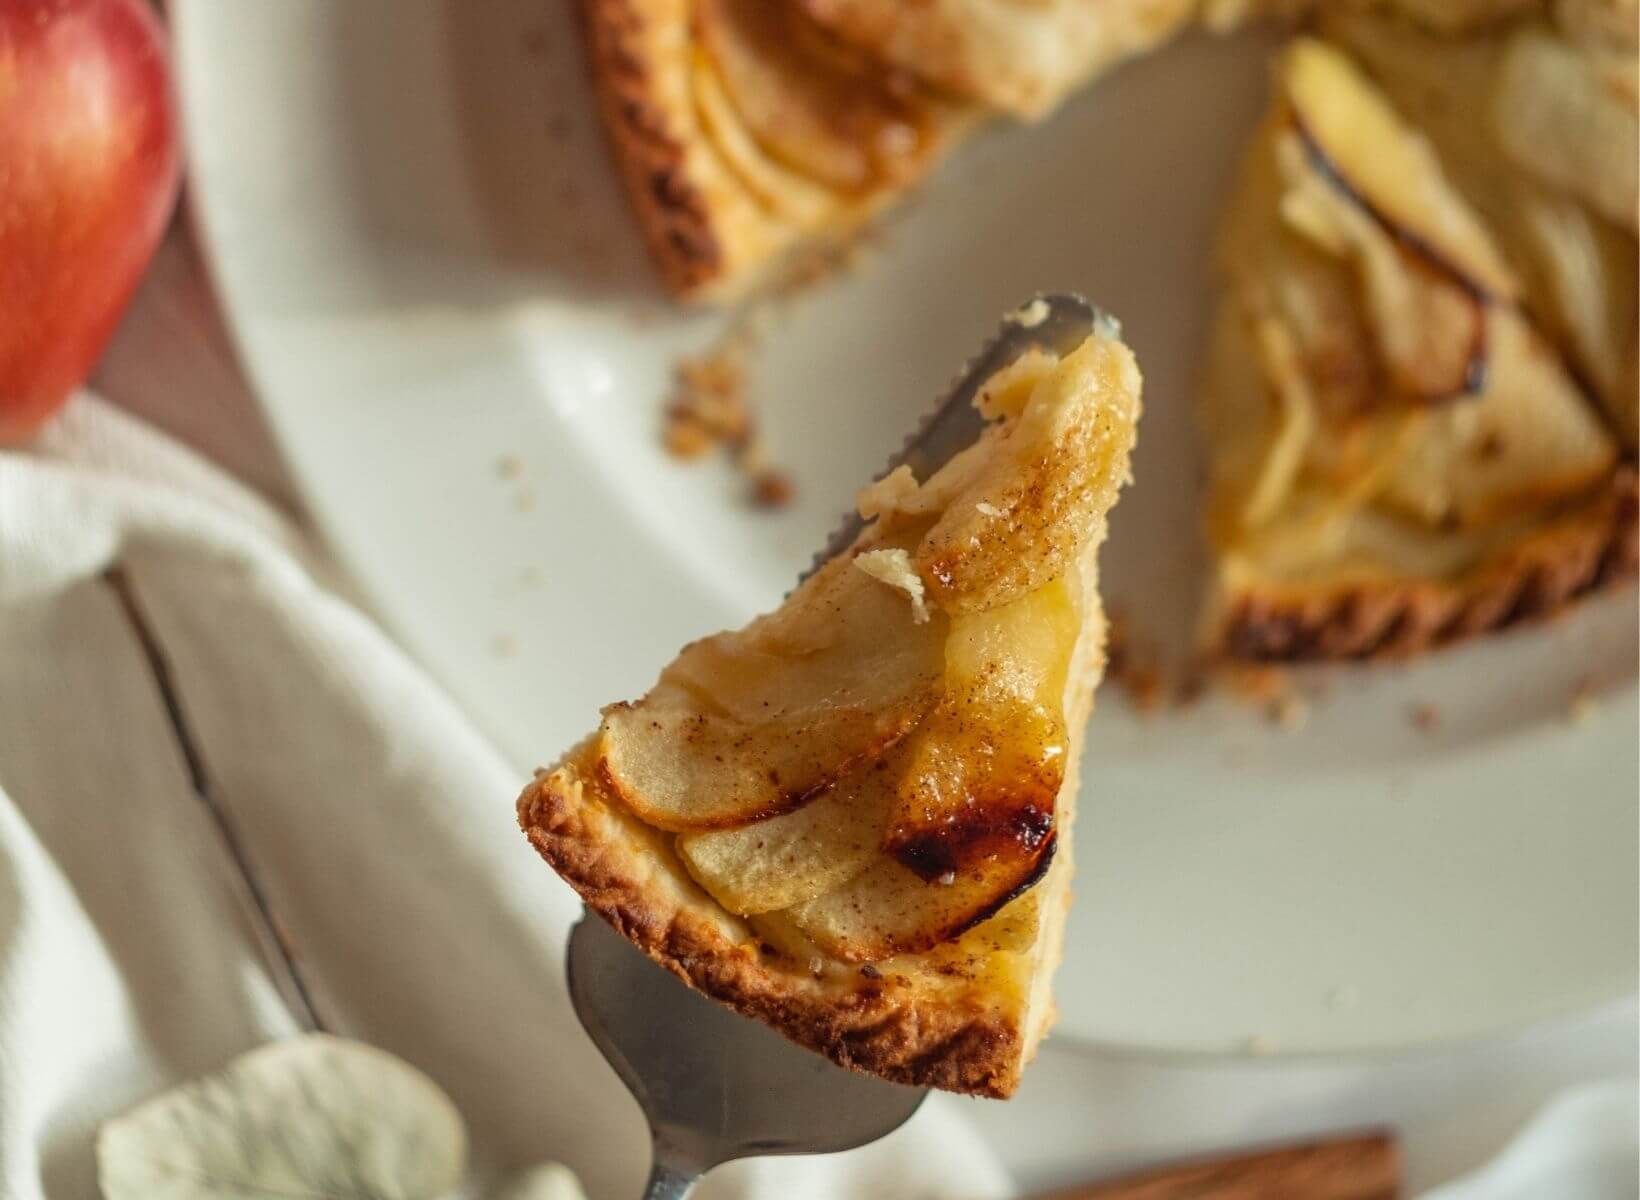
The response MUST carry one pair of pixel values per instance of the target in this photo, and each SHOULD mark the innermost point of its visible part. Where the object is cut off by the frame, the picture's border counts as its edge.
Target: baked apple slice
(1020, 58)
(776, 713)
(1400, 456)
(851, 818)
(1536, 126)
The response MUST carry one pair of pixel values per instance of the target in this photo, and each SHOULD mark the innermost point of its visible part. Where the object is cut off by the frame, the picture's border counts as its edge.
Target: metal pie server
(716, 1086)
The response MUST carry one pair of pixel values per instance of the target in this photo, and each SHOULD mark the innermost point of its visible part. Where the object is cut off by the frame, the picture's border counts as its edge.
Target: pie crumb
(885, 495)
(1290, 711)
(893, 567)
(509, 466)
(1257, 684)
(1260, 1044)
(1031, 315)
(1584, 704)
(710, 408)
(1425, 718)
(772, 489)
(709, 400)
(1132, 663)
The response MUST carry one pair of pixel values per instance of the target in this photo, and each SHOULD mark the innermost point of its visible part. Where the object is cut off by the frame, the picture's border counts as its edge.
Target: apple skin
(89, 166)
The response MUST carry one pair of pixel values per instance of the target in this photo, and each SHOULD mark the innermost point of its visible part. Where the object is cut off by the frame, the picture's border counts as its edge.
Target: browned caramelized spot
(982, 793)
(812, 102)
(1044, 860)
(980, 833)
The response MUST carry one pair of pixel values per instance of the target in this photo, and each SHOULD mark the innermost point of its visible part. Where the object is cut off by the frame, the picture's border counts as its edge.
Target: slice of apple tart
(1401, 456)
(746, 131)
(852, 818)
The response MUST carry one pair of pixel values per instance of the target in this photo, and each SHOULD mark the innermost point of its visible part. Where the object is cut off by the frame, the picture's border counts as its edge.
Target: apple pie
(852, 818)
(1421, 398)
(1400, 405)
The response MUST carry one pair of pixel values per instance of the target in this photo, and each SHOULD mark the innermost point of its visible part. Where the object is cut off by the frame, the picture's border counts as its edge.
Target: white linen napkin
(1581, 1146)
(381, 822)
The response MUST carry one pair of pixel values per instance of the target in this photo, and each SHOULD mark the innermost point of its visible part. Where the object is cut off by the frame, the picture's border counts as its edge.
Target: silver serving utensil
(716, 1086)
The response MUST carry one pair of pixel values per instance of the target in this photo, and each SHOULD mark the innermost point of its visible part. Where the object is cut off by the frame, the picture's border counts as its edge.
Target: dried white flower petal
(311, 1117)
(549, 1181)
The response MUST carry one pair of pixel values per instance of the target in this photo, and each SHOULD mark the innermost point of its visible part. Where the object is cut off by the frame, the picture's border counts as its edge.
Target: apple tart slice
(745, 130)
(851, 819)
(1400, 455)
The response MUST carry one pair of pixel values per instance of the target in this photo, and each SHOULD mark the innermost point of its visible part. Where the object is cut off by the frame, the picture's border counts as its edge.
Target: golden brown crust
(719, 209)
(906, 1030)
(1587, 550)
(649, 147)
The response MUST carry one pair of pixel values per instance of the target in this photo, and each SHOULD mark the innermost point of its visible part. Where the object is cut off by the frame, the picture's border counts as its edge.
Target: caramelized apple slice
(1370, 154)
(795, 857)
(813, 104)
(1429, 272)
(982, 773)
(1429, 332)
(1038, 497)
(891, 910)
(746, 725)
(1527, 440)
(978, 784)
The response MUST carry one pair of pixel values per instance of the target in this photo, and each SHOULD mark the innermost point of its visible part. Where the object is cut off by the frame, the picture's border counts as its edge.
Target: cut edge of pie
(964, 1008)
(1586, 550)
(1384, 482)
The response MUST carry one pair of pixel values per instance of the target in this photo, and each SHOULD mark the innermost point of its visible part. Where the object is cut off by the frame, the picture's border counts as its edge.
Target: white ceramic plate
(431, 272)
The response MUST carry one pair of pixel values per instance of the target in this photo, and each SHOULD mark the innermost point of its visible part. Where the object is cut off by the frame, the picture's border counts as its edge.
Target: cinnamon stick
(1357, 1167)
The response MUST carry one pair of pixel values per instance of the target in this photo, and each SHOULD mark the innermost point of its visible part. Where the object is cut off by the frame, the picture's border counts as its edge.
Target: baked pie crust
(852, 819)
(745, 131)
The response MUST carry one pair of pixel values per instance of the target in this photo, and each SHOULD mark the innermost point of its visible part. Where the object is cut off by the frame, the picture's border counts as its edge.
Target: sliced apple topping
(1529, 438)
(1364, 186)
(1568, 116)
(983, 771)
(1387, 168)
(747, 725)
(972, 816)
(891, 910)
(876, 767)
(1444, 319)
(1040, 493)
(800, 855)
(810, 102)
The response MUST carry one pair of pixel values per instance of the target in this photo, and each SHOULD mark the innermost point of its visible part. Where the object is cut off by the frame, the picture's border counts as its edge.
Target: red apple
(88, 176)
